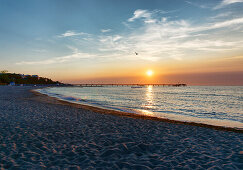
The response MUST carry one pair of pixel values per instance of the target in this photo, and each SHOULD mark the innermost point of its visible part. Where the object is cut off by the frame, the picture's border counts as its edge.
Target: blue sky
(53, 37)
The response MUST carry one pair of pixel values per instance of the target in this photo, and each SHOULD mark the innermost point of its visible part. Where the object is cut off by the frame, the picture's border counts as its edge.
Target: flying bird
(136, 53)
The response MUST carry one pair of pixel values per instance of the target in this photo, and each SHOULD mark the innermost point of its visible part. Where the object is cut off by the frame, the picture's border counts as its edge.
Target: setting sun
(149, 73)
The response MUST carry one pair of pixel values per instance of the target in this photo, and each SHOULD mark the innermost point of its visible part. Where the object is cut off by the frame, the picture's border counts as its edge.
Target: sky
(198, 42)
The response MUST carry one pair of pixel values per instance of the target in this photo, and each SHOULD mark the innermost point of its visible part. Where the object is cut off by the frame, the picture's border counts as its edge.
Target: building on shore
(12, 83)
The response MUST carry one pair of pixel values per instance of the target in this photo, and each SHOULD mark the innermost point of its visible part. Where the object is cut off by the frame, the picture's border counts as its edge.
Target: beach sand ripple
(40, 134)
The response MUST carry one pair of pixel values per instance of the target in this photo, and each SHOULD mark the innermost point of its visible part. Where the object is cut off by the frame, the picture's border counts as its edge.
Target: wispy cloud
(105, 30)
(70, 33)
(172, 39)
(222, 15)
(223, 24)
(197, 5)
(139, 13)
(39, 50)
(148, 17)
(57, 60)
(158, 38)
(227, 2)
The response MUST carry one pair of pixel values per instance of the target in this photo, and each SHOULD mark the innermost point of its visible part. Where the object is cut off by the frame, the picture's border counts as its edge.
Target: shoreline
(40, 132)
(131, 115)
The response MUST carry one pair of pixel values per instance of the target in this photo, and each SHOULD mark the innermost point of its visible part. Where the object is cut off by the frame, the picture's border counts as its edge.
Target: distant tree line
(7, 78)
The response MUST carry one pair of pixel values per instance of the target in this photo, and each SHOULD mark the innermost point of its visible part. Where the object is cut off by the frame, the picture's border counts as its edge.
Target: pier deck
(103, 85)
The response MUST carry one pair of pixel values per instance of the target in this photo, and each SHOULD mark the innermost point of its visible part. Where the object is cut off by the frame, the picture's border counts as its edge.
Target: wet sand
(40, 132)
(44, 97)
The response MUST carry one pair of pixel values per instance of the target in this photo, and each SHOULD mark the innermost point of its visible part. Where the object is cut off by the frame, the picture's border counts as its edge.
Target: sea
(212, 105)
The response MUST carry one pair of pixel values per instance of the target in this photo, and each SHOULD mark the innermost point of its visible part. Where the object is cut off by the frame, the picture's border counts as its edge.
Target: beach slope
(38, 133)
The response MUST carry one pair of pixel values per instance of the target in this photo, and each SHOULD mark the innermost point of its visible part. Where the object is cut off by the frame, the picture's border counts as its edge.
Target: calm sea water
(218, 105)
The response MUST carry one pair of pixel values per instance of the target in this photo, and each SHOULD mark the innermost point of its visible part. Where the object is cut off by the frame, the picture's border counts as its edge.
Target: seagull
(136, 53)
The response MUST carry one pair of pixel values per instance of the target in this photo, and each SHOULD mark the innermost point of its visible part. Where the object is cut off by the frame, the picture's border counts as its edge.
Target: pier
(105, 85)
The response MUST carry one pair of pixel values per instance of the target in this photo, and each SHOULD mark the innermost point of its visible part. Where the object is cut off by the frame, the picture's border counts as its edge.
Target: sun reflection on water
(149, 98)
(148, 103)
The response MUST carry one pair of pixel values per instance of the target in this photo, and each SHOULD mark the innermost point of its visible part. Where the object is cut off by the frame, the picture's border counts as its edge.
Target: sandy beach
(40, 132)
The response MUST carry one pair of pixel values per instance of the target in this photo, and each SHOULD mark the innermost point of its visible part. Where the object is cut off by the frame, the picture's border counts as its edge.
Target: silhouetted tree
(4, 71)
(18, 79)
